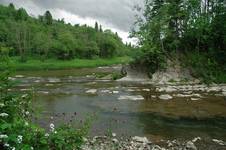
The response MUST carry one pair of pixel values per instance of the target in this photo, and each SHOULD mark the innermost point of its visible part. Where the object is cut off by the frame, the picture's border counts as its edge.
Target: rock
(105, 91)
(108, 77)
(156, 147)
(196, 139)
(53, 80)
(165, 97)
(188, 95)
(224, 93)
(130, 90)
(113, 134)
(220, 142)
(146, 90)
(195, 99)
(19, 76)
(182, 95)
(37, 81)
(115, 140)
(168, 89)
(92, 91)
(133, 98)
(191, 146)
(140, 139)
(115, 92)
(48, 84)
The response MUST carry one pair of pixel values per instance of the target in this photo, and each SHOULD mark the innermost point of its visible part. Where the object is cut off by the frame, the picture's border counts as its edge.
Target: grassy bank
(53, 64)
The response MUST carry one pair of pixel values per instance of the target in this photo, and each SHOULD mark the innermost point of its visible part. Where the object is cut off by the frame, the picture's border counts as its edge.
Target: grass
(53, 64)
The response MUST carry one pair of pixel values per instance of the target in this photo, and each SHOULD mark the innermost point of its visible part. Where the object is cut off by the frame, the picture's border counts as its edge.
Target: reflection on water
(63, 97)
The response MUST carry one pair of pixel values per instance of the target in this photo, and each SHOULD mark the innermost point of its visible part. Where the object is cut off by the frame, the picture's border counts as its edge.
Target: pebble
(165, 97)
(138, 143)
(92, 91)
(133, 98)
(220, 142)
(115, 92)
(191, 146)
(140, 139)
(113, 134)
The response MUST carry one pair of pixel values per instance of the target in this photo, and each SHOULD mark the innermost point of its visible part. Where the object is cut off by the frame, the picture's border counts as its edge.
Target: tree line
(44, 37)
(195, 28)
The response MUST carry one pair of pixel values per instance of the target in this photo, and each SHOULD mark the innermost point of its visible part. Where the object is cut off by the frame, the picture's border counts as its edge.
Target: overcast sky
(117, 15)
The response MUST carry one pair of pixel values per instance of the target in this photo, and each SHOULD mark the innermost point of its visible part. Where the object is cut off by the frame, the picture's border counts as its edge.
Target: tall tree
(21, 14)
(48, 18)
(96, 27)
(101, 30)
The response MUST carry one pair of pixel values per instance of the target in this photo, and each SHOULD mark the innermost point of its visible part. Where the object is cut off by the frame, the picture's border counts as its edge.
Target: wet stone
(165, 97)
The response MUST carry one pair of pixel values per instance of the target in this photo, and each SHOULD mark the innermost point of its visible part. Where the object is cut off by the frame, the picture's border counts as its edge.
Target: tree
(48, 18)
(21, 15)
(96, 27)
(108, 47)
(42, 43)
(11, 6)
(22, 39)
(101, 30)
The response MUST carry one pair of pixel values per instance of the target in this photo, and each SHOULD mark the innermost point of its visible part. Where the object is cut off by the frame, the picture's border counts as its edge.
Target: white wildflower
(24, 96)
(26, 124)
(2, 105)
(4, 115)
(6, 145)
(3, 136)
(51, 127)
(19, 138)
(55, 132)
(32, 148)
(47, 134)
(27, 113)
(13, 148)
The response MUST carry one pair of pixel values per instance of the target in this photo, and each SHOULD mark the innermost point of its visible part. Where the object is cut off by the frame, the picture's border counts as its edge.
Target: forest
(44, 37)
(192, 31)
(76, 87)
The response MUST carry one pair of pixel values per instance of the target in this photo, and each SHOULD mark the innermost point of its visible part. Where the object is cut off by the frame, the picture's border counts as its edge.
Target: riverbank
(53, 64)
(142, 143)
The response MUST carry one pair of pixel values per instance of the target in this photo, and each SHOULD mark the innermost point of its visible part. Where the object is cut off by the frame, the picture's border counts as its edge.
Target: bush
(18, 132)
(205, 67)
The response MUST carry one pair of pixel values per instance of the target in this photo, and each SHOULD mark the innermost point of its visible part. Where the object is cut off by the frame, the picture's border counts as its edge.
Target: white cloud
(75, 19)
(78, 17)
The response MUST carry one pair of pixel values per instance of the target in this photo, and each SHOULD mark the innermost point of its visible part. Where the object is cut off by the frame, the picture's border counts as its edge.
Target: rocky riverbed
(142, 143)
(175, 115)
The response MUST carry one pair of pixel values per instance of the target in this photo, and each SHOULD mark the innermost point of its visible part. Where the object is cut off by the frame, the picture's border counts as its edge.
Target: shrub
(18, 132)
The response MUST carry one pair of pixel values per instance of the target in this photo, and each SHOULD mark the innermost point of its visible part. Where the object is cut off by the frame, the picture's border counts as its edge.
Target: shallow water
(126, 108)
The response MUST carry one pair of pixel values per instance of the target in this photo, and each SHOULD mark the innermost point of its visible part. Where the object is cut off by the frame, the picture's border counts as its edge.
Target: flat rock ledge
(142, 143)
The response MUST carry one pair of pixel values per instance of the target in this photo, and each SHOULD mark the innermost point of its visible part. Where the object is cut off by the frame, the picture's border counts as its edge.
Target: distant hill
(44, 37)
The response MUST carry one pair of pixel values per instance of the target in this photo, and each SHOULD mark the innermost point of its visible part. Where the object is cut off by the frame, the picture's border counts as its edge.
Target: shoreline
(53, 64)
(142, 143)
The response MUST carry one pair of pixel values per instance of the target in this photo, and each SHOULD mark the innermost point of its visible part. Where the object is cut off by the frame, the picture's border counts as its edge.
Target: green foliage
(167, 27)
(204, 67)
(48, 18)
(48, 38)
(54, 64)
(17, 130)
(21, 14)
(96, 27)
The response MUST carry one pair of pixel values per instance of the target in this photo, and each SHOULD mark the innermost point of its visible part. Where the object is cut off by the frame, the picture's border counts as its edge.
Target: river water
(125, 108)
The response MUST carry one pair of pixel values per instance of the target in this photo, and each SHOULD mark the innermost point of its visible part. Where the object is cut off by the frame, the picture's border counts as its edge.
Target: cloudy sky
(117, 15)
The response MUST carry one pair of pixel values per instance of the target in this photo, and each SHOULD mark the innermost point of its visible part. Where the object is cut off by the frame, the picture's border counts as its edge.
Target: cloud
(118, 15)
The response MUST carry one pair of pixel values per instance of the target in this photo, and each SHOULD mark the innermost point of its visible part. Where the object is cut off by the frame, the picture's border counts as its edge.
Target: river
(125, 108)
